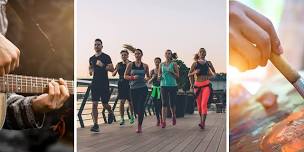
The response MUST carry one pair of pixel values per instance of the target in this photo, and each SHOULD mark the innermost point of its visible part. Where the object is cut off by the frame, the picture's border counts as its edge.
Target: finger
(13, 64)
(7, 68)
(258, 36)
(64, 95)
(51, 92)
(245, 49)
(56, 89)
(267, 25)
(62, 82)
(18, 58)
(2, 71)
(236, 60)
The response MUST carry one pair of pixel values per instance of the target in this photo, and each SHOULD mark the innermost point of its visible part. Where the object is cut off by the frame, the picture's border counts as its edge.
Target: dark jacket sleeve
(20, 114)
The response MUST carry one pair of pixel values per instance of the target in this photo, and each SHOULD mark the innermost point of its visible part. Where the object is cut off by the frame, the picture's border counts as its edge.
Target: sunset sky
(153, 27)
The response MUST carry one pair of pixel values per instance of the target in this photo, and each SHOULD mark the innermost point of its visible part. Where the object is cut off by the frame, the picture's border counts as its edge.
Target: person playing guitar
(27, 112)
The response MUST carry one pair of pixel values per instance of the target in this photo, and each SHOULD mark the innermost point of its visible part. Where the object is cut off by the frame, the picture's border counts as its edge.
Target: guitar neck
(28, 84)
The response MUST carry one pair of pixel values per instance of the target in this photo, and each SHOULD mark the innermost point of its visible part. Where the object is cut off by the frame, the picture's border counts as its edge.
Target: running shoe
(163, 124)
(139, 129)
(158, 123)
(122, 122)
(131, 119)
(174, 121)
(110, 118)
(201, 125)
(95, 128)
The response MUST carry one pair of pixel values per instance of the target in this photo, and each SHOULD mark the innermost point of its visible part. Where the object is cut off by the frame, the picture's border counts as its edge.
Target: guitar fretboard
(28, 84)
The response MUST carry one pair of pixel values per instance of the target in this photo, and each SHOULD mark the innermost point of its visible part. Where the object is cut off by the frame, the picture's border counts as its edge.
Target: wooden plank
(196, 141)
(215, 142)
(222, 146)
(182, 137)
(206, 141)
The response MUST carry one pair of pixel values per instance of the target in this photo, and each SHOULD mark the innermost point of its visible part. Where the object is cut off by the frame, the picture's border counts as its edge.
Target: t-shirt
(100, 73)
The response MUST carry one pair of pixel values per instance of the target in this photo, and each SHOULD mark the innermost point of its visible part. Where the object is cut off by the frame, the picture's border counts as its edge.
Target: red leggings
(202, 99)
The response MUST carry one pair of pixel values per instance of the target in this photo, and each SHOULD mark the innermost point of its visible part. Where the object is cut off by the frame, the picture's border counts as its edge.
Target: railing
(218, 100)
(87, 83)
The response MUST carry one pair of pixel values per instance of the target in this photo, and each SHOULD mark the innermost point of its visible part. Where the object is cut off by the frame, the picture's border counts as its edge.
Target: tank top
(203, 68)
(121, 68)
(167, 78)
(155, 81)
(140, 72)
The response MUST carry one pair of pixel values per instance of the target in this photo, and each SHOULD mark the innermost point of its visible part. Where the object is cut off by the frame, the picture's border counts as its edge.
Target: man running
(100, 64)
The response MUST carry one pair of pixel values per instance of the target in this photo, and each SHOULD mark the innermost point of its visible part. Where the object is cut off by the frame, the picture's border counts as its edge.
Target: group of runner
(132, 85)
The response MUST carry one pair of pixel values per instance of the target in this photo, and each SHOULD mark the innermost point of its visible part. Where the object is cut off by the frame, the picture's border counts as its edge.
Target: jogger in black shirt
(100, 64)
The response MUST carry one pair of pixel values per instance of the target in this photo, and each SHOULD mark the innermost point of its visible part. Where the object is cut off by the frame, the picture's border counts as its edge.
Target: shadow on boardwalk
(185, 136)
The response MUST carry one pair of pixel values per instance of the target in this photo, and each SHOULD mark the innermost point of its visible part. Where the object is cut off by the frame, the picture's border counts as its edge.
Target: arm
(192, 70)
(191, 75)
(160, 72)
(110, 67)
(29, 112)
(127, 75)
(115, 71)
(151, 76)
(211, 67)
(176, 71)
(9, 56)
(147, 72)
(91, 70)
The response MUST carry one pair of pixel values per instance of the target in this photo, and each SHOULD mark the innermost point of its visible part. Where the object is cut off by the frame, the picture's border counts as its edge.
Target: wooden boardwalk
(185, 136)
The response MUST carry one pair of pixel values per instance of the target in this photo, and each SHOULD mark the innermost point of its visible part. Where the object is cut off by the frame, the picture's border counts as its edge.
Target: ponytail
(196, 57)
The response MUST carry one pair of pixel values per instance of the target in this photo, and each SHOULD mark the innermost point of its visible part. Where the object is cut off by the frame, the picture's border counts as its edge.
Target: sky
(153, 26)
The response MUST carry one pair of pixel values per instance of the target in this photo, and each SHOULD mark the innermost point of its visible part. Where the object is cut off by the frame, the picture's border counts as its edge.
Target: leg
(142, 94)
(204, 103)
(157, 108)
(173, 96)
(122, 111)
(95, 99)
(95, 112)
(164, 96)
(198, 104)
(122, 108)
(105, 97)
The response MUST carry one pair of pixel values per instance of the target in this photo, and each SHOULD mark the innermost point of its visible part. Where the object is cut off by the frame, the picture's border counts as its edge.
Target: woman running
(123, 86)
(135, 73)
(168, 73)
(203, 70)
(155, 94)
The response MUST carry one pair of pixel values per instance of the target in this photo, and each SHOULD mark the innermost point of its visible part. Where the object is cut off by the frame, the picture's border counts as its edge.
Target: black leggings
(138, 97)
(157, 107)
(168, 96)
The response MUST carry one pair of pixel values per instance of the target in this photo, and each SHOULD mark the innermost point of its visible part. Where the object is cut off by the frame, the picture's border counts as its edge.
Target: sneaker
(202, 126)
(110, 118)
(163, 125)
(158, 123)
(131, 119)
(174, 121)
(122, 122)
(139, 129)
(95, 128)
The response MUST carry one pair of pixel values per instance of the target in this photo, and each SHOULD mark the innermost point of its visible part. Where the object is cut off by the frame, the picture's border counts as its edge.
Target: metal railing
(218, 98)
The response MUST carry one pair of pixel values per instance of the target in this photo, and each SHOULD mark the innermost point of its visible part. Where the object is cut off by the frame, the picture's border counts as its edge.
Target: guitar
(23, 84)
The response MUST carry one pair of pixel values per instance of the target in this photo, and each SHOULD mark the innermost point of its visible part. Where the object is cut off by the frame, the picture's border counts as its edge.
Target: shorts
(123, 90)
(100, 93)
